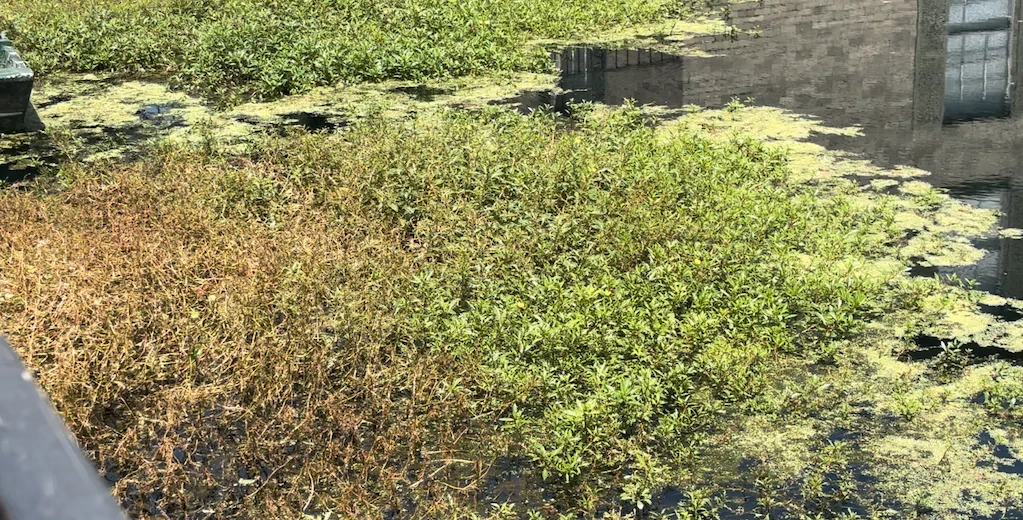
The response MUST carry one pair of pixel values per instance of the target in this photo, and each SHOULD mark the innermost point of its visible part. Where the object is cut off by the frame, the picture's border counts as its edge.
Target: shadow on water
(314, 122)
(24, 154)
(981, 275)
(1005, 312)
(930, 347)
(932, 84)
(422, 92)
(18, 169)
(1007, 461)
(160, 114)
(747, 498)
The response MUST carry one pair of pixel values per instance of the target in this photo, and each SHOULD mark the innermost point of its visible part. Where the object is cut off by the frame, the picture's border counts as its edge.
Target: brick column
(931, 54)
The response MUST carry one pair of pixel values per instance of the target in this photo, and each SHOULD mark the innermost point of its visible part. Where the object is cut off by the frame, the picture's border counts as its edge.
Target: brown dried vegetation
(210, 361)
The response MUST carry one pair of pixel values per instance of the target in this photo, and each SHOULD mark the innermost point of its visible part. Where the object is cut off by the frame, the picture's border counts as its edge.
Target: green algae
(917, 188)
(667, 35)
(953, 216)
(915, 439)
(770, 124)
(952, 313)
(939, 249)
(789, 130)
(1011, 233)
(938, 456)
(916, 432)
(882, 184)
(106, 115)
(910, 221)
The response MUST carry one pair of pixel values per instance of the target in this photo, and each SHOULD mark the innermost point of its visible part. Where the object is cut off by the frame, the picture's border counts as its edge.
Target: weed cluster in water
(266, 49)
(364, 322)
(1003, 393)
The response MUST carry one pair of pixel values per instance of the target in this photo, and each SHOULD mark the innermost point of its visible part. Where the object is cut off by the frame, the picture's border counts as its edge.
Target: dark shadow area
(32, 121)
(23, 156)
(29, 123)
(422, 92)
(13, 174)
(1008, 462)
(930, 347)
(17, 169)
(314, 122)
(980, 275)
(55, 100)
(1004, 312)
(159, 114)
(539, 100)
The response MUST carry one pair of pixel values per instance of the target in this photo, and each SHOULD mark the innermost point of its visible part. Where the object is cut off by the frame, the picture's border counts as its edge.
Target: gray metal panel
(43, 474)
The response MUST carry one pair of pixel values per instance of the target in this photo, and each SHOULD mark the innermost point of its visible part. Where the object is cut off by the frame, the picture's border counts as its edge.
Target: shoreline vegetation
(440, 312)
(239, 50)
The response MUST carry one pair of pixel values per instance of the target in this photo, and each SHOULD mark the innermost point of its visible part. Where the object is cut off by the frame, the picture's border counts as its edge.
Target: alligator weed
(231, 49)
(375, 322)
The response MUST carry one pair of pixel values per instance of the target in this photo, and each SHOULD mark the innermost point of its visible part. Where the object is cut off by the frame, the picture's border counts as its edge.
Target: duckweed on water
(93, 117)
(368, 320)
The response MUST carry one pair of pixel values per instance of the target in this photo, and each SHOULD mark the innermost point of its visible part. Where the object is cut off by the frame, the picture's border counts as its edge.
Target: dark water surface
(932, 83)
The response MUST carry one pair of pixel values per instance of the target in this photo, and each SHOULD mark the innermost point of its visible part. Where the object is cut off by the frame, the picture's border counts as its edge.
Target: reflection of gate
(583, 68)
(582, 60)
(977, 70)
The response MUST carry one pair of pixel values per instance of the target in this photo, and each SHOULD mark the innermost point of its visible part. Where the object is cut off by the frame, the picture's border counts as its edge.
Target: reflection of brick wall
(848, 62)
(1011, 268)
(960, 154)
(845, 61)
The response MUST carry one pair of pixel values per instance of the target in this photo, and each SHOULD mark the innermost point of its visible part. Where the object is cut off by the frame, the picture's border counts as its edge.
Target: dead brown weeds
(217, 365)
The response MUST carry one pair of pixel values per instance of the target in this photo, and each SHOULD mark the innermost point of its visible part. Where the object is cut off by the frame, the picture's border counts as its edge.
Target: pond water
(932, 83)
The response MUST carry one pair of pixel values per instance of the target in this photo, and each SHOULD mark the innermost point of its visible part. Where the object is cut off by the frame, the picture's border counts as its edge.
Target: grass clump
(360, 322)
(618, 300)
(1002, 395)
(244, 48)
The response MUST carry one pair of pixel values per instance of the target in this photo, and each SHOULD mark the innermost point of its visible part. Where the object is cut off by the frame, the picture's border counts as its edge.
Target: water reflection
(933, 84)
(977, 70)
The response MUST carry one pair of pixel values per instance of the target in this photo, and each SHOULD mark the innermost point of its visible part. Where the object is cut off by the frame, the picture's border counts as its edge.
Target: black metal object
(43, 474)
(16, 80)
